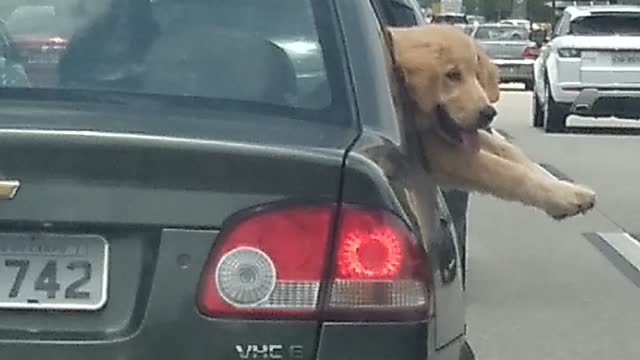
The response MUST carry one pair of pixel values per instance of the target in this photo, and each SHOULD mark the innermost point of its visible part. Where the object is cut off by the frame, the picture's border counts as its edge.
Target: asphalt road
(546, 290)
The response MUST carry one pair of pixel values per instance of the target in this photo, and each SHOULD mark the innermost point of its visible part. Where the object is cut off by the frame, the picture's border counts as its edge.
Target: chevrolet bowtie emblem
(8, 189)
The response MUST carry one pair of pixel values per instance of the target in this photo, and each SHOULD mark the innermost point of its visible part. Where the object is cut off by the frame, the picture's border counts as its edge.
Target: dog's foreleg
(504, 149)
(489, 173)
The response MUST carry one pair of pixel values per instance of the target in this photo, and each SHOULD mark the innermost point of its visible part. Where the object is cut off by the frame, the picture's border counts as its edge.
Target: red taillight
(269, 264)
(531, 52)
(274, 264)
(380, 272)
(370, 255)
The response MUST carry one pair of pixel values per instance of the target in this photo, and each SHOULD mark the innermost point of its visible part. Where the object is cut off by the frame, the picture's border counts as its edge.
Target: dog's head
(450, 77)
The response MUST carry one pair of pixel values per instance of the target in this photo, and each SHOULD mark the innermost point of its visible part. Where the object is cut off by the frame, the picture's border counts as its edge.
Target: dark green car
(220, 179)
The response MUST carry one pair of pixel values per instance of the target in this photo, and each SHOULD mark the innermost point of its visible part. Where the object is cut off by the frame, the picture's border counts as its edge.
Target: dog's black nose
(486, 116)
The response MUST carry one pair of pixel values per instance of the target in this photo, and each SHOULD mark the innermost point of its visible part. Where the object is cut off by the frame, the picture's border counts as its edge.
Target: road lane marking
(554, 172)
(622, 250)
(546, 172)
(502, 134)
(627, 246)
(497, 133)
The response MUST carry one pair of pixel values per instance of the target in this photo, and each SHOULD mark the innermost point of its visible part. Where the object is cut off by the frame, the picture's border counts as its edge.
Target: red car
(40, 36)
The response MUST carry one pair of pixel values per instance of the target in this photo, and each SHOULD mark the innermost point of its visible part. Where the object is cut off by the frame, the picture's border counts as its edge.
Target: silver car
(510, 49)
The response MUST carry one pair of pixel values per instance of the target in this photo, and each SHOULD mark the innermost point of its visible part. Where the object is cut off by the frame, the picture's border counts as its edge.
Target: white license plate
(53, 271)
(625, 58)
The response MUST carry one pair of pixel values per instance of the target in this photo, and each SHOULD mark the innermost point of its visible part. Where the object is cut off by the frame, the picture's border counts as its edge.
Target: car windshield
(502, 33)
(604, 25)
(196, 49)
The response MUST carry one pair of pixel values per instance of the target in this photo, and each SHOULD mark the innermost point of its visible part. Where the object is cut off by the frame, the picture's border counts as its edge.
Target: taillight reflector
(531, 52)
(274, 263)
(268, 264)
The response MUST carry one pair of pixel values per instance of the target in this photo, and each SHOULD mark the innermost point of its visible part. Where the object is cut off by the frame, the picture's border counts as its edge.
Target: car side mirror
(538, 36)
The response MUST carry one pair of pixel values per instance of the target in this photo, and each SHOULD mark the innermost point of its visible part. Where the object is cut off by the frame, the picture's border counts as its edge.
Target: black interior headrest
(199, 61)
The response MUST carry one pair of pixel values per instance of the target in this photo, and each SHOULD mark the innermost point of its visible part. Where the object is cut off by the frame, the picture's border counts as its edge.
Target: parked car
(204, 209)
(590, 67)
(12, 70)
(510, 49)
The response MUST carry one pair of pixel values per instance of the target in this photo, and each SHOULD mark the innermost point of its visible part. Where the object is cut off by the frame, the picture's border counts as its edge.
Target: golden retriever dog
(452, 84)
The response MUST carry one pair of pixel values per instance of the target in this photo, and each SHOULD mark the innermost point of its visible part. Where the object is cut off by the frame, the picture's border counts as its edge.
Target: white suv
(591, 67)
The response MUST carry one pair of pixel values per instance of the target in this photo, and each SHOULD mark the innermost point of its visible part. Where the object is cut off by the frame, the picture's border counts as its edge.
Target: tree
(538, 11)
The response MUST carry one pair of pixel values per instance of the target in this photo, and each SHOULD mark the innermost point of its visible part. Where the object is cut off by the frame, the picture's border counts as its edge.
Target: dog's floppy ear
(488, 75)
(416, 58)
(408, 47)
(391, 35)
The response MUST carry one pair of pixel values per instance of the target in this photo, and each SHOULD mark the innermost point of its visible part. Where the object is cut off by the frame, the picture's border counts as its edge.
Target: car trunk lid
(106, 220)
(608, 61)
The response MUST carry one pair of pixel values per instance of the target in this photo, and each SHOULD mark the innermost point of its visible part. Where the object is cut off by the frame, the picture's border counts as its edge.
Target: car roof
(587, 10)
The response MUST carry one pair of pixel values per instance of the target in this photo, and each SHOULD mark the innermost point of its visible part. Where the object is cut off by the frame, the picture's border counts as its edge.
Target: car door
(450, 321)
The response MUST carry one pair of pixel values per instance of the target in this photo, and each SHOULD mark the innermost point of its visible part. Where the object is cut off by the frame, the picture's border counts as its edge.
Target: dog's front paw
(569, 200)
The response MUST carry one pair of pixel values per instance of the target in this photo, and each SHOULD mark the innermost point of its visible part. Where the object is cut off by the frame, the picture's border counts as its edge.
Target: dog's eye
(454, 75)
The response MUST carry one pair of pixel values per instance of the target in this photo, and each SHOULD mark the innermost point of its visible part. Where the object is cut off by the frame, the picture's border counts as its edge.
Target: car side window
(561, 25)
(556, 28)
(566, 26)
(396, 13)
(384, 15)
(402, 14)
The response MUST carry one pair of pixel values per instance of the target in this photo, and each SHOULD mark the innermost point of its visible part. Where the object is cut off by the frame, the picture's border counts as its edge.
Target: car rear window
(501, 33)
(609, 24)
(449, 19)
(37, 21)
(276, 53)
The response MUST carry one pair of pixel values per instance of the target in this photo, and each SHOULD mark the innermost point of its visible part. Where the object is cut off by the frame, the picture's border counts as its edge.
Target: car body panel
(505, 50)
(148, 337)
(515, 70)
(376, 342)
(157, 198)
